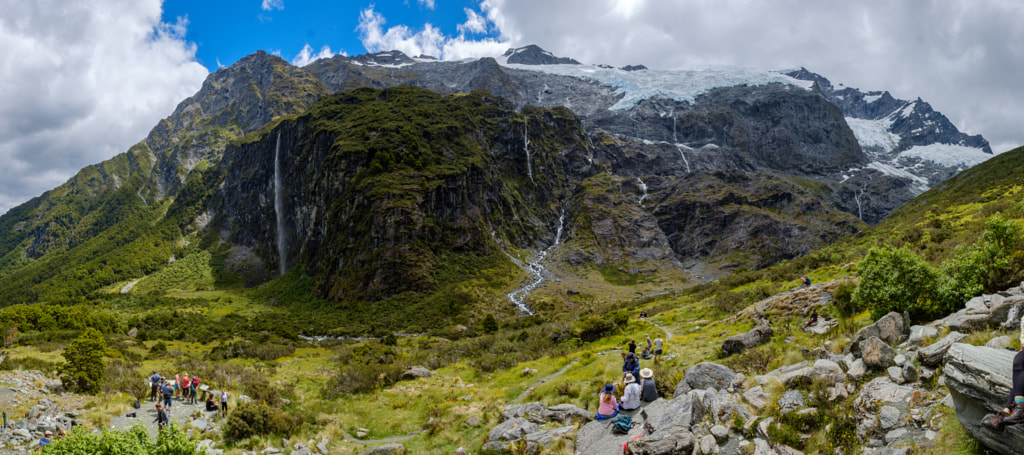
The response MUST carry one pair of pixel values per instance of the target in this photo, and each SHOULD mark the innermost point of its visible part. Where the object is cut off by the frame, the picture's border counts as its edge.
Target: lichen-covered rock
(828, 370)
(918, 333)
(671, 441)
(877, 355)
(416, 372)
(388, 449)
(888, 328)
(756, 397)
(791, 401)
(512, 430)
(755, 337)
(708, 375)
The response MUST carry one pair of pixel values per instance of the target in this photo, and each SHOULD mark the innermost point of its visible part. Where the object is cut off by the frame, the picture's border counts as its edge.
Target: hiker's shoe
(997, 422)
(1016, 414)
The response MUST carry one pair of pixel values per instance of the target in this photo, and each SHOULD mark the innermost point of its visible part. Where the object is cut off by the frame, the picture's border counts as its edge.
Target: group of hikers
(639, 385)
(184, 388)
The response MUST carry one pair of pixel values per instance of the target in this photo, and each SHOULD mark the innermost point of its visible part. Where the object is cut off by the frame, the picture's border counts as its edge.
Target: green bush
(843, 299)
(82, 370)
(135, 440)
(490, 324)
(899, 280)
(254, 419)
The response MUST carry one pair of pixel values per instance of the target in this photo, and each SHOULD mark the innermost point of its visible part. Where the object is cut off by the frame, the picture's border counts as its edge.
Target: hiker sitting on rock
(1013, 413)
(648, 389)
(631, 365)
(210, 404)
(608, 406)
(630, 394)
(646, 355)
(812, 320)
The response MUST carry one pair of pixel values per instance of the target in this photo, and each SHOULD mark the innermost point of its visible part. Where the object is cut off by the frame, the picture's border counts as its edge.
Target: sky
(83, 80)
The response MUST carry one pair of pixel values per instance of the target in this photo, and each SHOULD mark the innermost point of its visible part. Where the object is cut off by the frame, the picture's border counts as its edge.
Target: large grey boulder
(918, 333)
(978, 379)
(512, 430)
(388, 449)
(829, 371)
(889, 328)
(877, 354)
(546, 438)
(416, 372)
(755, 337)
(756, 397)
(538, 413)
(932, 355)
(708, 375)
(670, 441)
(791, 401)
(963, 322)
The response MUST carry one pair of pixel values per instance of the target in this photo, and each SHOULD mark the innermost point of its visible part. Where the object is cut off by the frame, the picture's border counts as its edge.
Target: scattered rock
(889, 329)
(918, 333)
(416, 372)
(755, 337)
(512, 430)
(933, 354)
(791, 401)
(708, 375)
(388, 449)
(877, 355)
(756, 397)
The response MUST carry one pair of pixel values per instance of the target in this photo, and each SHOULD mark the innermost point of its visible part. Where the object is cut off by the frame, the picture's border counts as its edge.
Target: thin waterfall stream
(536, 270)
(279, 206)
(643, 190)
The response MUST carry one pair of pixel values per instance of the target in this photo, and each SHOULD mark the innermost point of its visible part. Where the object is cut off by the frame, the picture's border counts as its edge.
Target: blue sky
(227, 30)
(83, 80)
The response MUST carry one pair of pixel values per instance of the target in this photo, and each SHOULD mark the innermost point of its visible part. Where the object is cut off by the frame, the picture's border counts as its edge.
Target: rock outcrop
(979, 382)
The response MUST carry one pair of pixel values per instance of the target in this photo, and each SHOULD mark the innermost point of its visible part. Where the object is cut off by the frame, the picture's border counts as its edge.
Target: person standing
(161, 417)
(648, 337)
(659, 345)
(154, 382)
(648, 389)
(632, 346)
(177, 385)
(186, 387)
(224, 402)
(630, 394)
(168, 393)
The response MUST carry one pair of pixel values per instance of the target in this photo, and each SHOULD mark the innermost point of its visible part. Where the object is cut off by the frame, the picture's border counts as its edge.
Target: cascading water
(643, 190)
(535, 269)
(279, 206)
(681, 155)
(526, 146)
(856, 197)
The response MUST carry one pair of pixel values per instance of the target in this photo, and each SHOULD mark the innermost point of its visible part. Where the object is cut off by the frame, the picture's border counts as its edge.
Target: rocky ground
(890, 371)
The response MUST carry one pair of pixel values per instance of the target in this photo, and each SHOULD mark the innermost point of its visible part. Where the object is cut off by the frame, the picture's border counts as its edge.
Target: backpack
(622, 424)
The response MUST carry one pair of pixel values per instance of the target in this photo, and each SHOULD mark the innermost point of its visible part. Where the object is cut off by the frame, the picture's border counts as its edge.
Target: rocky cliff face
(370, 205)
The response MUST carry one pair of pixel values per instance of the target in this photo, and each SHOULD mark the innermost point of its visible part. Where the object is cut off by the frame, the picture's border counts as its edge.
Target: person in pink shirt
(609, 406)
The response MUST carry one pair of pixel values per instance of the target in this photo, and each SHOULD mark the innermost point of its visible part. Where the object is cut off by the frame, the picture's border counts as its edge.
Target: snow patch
(680, 85)
(948, 155)
(874, 133)
(908, 109)
(872, 98)
(920, 184)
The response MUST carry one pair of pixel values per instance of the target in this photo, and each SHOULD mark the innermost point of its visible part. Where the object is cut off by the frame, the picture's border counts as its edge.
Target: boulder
(416, 372)
(546, 438)
(919, 332)
(976, 306)
(909, 373)
(1000, 342)
(828, 370)
(756, 397)
(978, 379)
(877, 354)
(708, 375)
(932, 355)
(963, 322)
(889, 417)
(895, 374)
(708, 445)
(496, 447)
(671, 441)
(512, 430)
(388, 449)
(889, 328)
(857, 370)
(755, 337)
(791, 401)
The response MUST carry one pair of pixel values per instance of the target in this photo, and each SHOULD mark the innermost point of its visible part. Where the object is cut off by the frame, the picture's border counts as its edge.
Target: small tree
(899, 280)
(83, 365)
(490, 324)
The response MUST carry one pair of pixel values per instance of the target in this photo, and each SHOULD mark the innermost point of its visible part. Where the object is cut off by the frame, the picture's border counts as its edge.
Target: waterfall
(856, 197)
(526, 146)
(279, 205)
(674, 140)
(643, 190)
(681, 155)
(535, 269)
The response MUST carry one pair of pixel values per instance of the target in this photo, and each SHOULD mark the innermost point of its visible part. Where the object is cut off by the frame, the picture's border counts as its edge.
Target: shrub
(83, 365)
(490, 324)
(134, 440)
(899, 280)
(124, 376)
(843, 299)
(254, 419)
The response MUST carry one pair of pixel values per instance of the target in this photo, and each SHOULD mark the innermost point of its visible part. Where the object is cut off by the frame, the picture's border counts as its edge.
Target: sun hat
(646, 373)
(629, 378)
(609, 388)
(48, 433)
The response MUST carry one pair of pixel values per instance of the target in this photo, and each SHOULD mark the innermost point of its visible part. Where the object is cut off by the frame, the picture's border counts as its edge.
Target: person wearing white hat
(648, 389)
(630, 394)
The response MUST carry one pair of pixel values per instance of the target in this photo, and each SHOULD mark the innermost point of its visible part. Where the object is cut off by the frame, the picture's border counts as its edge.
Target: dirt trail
(668, 334)
(349, 438)
(543, 380)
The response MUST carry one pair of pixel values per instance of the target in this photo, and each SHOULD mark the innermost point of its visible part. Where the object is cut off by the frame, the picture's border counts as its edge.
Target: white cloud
(83, 81)
(306, 55)
(475, 23)
(429, 4)
(429, 40)
(269, 5)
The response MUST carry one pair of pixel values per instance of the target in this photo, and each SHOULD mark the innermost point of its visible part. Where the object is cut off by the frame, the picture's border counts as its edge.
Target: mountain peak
(535, 55)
